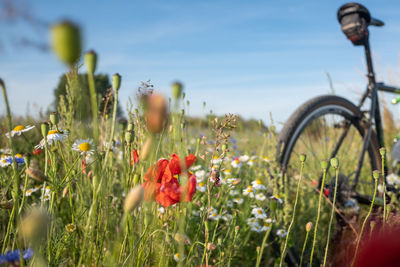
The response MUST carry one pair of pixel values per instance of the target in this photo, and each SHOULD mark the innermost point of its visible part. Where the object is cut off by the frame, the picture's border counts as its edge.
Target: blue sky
(245, 57)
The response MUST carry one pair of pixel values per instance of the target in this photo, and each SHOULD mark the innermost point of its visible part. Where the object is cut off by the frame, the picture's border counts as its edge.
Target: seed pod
(128, 137)
(66, 42)
(134, 198)
(156, 113)
(376, 174)
(324, 164)
(382, 151)
(54, 118)
(70, 227)
(130, 127)
(91, 61)
(116, 81)
(65, 191)
(177, 90)
(335, 163)
(44, 127)
(303, 157)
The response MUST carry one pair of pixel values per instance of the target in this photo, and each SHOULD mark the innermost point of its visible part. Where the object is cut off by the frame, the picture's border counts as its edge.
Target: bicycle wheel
(315, 129)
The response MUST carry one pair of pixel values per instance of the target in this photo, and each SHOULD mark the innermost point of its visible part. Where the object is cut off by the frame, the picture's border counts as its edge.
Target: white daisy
(277, 198)
(196, 168)
(236, 163)
(5, 161)
(227, 217)
(85, 146)
(265, 227)
(178, 257)
(45, 197)
(233, 192)
(251, 220)
(238, 200)
(257, 184)
(200, 174)
(266, 159)
(202, 187)
(392, 179)
(161, 210)
(244, 158)
(36, 188)
(260, 196)
(227, 172)
(249, 191)
(259, 213)
(5, 151)
(233, 181)
(269, 220)
(216, 160)
(19, 129)
(250, 162)
(255, 227)
(29, 192)
(281, 232)
(213, 216)
(52, 137)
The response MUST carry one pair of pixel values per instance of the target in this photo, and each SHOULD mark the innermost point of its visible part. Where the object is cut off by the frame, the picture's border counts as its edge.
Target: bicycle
(330, 126)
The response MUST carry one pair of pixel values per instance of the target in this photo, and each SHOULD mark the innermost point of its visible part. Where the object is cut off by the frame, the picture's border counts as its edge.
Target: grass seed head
(36, 174)
(66, 42)
(134, 198)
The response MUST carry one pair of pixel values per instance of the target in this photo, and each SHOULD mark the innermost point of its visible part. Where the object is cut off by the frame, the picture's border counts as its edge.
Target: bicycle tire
(301, 121)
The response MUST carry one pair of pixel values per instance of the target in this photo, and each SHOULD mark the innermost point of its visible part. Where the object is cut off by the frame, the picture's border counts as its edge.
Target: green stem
(384, 191)
(331, 219)
(93, 99)
(363, 225)
(259, 256)
(293, 216)
(304, 248)
(318, 215)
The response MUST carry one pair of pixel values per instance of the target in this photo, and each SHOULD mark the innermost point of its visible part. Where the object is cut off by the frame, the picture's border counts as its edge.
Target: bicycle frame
(374, 114)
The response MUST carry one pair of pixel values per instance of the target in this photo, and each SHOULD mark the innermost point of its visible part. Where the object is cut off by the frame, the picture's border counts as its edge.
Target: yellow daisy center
(52, 132)
(48, 187)
(215, 157)
(259, 212)
(4, 161)
(18, 155)
(19, 128)
(214, 215)
(201, 184)
(85, 147)
(258, 181)
(227, 170)
(28, 191)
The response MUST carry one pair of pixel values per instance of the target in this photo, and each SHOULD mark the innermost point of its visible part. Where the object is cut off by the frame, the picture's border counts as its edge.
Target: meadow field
(158, 188)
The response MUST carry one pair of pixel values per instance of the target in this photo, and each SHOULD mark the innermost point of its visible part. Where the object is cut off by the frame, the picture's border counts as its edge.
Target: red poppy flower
(162, 185)
(134, 157)
(37, 152)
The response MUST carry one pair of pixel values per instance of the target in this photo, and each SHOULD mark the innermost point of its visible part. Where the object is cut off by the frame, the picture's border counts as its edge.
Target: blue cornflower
(13, 256)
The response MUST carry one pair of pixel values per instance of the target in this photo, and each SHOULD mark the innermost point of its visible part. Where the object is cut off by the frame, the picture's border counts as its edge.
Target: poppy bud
(130, 127)
(156, 113)
(66, 42)
(177, 90)
(335, 163)
(54, 118)
(134, 198)
(91, 61)
(324, 164)
(36, 174)
(382, 151)
(44, 127)
(128, 137)
(144, 152)
(376, 174)
(116, 81)
(308, 226)
(303, 157)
